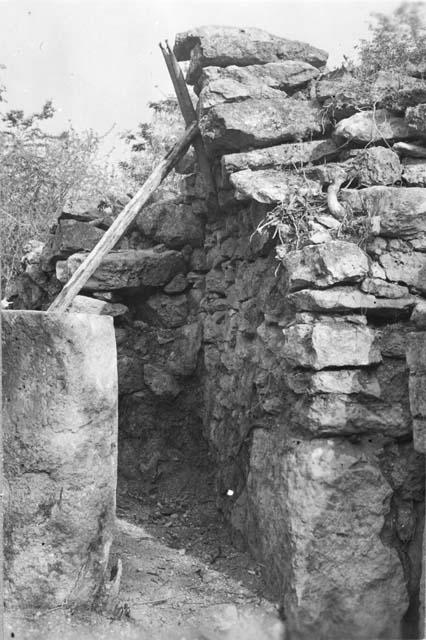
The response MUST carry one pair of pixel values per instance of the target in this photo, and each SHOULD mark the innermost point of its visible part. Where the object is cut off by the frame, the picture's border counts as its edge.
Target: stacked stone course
(303, 360)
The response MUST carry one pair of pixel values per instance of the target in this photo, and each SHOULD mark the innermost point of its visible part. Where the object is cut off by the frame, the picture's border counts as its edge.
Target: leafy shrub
(40, 176)
(151, 141)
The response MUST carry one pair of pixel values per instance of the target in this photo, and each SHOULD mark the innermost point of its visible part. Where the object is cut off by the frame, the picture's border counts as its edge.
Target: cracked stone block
(324, 265)
(331, 342)
(321, 507)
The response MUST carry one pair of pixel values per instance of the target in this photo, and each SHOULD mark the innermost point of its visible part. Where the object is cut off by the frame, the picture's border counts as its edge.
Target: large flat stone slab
(271, 186)
(280, 156)
(257, 122)
(127, 269)
(222, 46)
(234, 84)
(60, 446)
(341, 299)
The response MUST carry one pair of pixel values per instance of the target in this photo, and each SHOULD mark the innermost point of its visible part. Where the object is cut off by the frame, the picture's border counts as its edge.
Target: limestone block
(171, 223)
(373, 126)
(324, 265)
(170, 311)
(279, 156)
(395, 212)
(70, 237)
(234, 84)
(416, 360)
(375, 166)
(337, 414)
(419, 314)
(414, 172)
(320, 508)
(60, 444)
(383, 289)
(416, 118)
(222, 46)
(332, 342)
(160, 382)
(127, 269)
(84, 304)
(178, 284)
(409, 268)
(348, 381)
(258, 122)
(338, 299)
(271, 186)
(183, 357)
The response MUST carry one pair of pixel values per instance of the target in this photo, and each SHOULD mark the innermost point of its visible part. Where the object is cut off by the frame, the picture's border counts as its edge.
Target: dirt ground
(181, 577)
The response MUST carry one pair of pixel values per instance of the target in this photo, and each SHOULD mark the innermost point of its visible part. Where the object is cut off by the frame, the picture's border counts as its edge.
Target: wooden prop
(122, 222)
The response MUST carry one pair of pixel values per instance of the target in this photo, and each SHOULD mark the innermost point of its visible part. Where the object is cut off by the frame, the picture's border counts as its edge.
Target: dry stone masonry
(285, 326)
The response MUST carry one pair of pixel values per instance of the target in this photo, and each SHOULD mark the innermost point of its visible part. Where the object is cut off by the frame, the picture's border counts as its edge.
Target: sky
(99, 60)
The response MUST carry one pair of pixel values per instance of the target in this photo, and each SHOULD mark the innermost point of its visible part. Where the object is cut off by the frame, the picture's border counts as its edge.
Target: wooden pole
(122, 222)
(188, 112)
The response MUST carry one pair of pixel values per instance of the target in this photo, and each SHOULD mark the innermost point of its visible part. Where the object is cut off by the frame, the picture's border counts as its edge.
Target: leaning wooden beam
(188, 112)
(122, 222)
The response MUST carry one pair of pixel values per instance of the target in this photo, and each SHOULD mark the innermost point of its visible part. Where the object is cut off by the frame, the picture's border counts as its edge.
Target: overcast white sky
(99, 61)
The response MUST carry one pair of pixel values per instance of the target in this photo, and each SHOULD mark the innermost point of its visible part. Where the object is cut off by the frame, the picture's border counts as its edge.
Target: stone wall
(60, 452)
(286, 324)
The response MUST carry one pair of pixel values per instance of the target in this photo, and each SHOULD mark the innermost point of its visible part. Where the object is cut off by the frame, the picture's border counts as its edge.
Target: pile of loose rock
(302, 358)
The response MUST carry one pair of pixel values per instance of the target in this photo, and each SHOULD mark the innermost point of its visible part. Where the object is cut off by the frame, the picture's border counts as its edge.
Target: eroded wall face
(60, 449)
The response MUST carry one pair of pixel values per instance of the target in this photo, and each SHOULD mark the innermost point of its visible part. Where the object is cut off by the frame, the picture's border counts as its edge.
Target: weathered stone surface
(70, 237)
(84, 304)
(408, 268)
(183, 358)
(347, 381)
(374, 166)
(171, 223)
(234, 84)
(338, 299)
(333, 342)
(373, 126)
(414, 172)
(395, 212)
(280, 156)
(124, 269)
(419, 314)
(232, 127)
(416, 118)
(271, 186)
(382, 289)
(321, 509)
(324, 265)
(416, 360)
(168, 311)
(60, 444)
(178, 284)
(339, 86)
(338, 414)
(160, 382)
(225, 46)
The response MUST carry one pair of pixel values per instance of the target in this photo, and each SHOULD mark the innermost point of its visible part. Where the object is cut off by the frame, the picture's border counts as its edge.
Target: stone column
(60, 446)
